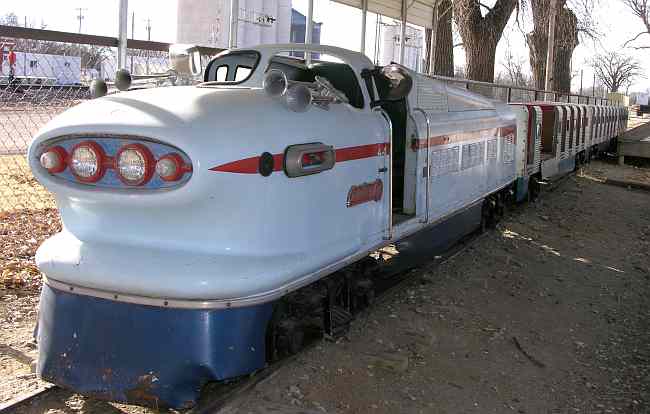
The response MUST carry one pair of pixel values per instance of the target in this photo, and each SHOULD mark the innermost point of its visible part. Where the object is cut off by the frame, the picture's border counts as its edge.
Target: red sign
(365, 193)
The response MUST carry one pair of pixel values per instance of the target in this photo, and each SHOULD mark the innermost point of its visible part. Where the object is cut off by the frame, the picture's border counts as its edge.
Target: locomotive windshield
(231, 68)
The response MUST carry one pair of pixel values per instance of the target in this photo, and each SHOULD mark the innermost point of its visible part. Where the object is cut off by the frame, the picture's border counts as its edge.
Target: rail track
(217, 397)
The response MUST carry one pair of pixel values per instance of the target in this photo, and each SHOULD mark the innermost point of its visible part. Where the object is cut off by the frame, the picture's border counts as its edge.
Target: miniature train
(191, 213)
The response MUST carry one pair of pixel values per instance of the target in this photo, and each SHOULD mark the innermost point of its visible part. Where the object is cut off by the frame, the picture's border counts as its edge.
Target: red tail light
(171, 167)
(54, 159)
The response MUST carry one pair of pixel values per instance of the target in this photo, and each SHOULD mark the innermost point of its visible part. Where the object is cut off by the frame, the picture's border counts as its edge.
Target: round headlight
(134, 164)
(87, 161)
(170, 167)
(54, 159)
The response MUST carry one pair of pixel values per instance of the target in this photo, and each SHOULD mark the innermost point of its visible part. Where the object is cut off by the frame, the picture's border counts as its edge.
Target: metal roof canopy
(420, 12)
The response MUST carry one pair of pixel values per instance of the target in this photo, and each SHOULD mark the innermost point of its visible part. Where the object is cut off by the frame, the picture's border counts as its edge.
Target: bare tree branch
(616, 70)
(640, 9)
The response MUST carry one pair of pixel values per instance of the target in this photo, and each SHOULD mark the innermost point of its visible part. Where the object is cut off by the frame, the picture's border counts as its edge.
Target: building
(389, 50)
(206, 22)
(299, 28)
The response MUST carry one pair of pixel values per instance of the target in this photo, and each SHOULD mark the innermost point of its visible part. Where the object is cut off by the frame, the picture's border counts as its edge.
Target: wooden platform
(634, 143)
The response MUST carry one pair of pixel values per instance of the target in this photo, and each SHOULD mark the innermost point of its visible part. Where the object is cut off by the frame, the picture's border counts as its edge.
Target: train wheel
(487, 215)
(534, 189)
(500, 206)
(290, 337)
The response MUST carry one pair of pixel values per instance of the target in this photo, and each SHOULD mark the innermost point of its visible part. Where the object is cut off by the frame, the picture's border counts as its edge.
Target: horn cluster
(300, 96)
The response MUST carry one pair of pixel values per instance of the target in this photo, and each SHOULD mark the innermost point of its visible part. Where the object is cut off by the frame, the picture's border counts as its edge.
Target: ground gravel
(546, 314)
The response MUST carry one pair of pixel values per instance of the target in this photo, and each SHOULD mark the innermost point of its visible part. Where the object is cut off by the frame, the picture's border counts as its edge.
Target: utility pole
(132, 36)
(80, 16)
(433, 45)
(25, 53)
(593, 89)
(581, 75)
(550, 56)
(149, 39)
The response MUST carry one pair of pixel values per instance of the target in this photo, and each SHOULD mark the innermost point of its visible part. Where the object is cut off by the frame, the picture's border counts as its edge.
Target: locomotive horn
(123, 80)
(275, 83)
(299, 96)
(98, 88)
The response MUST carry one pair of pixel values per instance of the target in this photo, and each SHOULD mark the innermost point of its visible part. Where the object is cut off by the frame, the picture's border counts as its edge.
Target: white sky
(341, 27)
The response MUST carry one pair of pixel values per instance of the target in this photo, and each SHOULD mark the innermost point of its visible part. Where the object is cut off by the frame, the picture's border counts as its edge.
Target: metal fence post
(123, 23)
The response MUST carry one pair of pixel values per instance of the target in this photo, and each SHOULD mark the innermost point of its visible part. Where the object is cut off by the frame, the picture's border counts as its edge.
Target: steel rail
(24, 398)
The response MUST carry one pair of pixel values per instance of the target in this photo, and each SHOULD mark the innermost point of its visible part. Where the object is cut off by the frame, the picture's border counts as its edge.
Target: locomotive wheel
(534, 189)
(500, 206)
(296, 341)
(487, 215)
(290, 337)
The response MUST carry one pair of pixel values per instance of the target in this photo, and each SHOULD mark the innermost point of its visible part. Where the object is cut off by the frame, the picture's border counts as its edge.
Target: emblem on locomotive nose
(365, 193)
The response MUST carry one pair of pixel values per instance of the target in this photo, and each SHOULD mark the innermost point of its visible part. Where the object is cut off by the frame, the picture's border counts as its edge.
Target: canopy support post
(402, 38)
(309, 28)
(122, 27)
(364, 17)
(234, 23)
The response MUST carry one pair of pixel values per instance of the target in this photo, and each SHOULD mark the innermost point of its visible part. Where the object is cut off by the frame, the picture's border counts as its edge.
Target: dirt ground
(547, 313)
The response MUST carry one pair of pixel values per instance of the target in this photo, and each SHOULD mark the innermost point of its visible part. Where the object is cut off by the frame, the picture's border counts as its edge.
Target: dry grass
(18, 188)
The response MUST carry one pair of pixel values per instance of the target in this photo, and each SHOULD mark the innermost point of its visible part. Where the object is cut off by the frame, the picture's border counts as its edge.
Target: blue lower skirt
(146, 355)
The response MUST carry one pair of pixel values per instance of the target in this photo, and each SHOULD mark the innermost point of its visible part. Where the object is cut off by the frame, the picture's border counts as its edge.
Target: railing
(69, 61)
(522, 94)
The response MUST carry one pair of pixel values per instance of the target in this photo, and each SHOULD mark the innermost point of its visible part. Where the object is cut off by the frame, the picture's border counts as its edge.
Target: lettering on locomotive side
(364, 193)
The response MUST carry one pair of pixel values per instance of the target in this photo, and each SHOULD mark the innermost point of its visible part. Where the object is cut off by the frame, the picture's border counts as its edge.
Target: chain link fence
(39, 81)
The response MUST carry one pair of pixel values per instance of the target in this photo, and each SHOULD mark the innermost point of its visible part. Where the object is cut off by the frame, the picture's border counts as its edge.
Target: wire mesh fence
(39, 81)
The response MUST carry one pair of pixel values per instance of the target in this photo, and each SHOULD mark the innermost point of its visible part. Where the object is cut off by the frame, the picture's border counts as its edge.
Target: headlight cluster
(133, 163)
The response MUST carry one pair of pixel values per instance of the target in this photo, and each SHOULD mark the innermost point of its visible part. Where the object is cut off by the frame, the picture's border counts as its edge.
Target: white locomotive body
(190, 212)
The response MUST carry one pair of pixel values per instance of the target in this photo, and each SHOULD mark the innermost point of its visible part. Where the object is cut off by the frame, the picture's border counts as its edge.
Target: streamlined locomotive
(191, 212)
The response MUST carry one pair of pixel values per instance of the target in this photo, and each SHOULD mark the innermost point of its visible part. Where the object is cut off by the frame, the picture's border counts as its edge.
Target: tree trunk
(481, 34)
(566, 40)
(445, 45)
(481, 57)
(537, 50)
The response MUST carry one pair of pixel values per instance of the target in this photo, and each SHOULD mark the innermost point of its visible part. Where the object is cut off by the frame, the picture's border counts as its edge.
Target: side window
(222, 73)
(242, 73)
